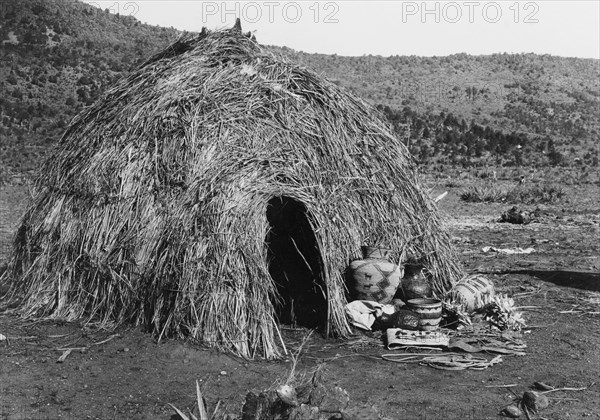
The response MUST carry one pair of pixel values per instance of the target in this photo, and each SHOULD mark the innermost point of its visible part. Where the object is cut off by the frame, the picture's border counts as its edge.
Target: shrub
(486, 193)
(536, 194)
(530, 194)
(453, 183)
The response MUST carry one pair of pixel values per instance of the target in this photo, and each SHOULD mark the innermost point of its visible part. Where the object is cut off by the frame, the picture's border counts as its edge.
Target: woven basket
(429, 311)
(374, 277)
(472, 292)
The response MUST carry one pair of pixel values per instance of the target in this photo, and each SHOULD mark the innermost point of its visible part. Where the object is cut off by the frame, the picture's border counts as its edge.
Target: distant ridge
(58, 56)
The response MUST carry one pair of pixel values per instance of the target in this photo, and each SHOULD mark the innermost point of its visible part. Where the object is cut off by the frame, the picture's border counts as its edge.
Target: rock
(360, 413)
(516, 216)
(511, 411)
(304, 412)
(317, 394)
(336, 400)
(288, 395)
(266, 406)
(534, 401)
(330, 400)
(256, 407)
(542, 386)
(303, 393)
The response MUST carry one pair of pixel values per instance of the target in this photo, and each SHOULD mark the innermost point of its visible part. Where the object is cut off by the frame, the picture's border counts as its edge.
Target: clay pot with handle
(414, 284)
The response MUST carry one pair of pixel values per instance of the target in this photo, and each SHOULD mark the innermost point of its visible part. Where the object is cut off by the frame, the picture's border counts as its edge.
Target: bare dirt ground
(130, 376)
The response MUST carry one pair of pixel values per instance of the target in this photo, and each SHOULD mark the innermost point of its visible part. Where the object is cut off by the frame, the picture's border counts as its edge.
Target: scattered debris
(64, 356)
(446, 361)
(540, 386)
(105, 341)
(311, 399)
(564, 389)
(533, 401)
(440, 197)
(501, 313)
(516, 216)
(508, 251)
(68, 350)
(486, 344)
(589, 305)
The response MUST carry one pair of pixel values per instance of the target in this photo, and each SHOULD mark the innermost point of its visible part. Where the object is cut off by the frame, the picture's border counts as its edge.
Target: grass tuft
(486, 193)
(521, 194)
(536, 194)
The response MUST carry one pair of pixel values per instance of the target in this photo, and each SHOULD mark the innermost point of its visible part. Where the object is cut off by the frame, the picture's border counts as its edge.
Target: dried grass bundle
(152, 207)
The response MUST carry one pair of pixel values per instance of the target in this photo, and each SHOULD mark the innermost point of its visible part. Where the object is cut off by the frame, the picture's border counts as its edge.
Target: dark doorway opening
(295, 265)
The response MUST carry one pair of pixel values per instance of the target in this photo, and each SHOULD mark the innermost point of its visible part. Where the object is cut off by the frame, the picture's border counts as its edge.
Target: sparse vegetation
(536, 194)
(489, 192)
(57, 57)
(485, 193)
(202, 412)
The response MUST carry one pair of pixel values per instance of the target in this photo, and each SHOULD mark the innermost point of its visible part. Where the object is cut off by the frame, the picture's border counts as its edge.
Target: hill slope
(57, 56)
(547, 105)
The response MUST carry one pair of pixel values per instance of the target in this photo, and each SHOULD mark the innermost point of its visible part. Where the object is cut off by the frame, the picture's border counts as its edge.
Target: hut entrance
(295, 264)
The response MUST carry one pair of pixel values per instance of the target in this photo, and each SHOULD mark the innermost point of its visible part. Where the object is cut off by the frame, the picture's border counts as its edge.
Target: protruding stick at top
(238, 26)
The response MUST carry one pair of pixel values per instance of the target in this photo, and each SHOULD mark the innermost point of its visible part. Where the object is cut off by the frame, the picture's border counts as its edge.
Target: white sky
(557, 27)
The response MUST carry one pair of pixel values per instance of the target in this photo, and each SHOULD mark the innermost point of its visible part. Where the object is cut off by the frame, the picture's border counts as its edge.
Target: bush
(486, 193)
(530, 194)
(536, 194)
(453, 183)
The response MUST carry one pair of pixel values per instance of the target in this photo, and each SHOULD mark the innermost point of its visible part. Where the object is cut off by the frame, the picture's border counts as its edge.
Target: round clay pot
(374, 277)
(429, 310)
(414, 283)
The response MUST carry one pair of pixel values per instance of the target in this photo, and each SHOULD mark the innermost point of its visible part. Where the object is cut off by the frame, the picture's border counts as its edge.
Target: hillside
(503, 108)
(58, 56)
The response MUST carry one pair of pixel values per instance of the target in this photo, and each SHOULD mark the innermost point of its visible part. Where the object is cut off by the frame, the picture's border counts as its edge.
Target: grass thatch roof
(152, 208)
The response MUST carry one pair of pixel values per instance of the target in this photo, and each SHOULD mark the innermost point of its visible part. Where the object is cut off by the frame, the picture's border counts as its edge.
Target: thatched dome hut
(215, 192)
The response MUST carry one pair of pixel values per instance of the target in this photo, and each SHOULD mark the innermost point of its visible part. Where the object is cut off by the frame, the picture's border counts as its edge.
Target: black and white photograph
(299, 210)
